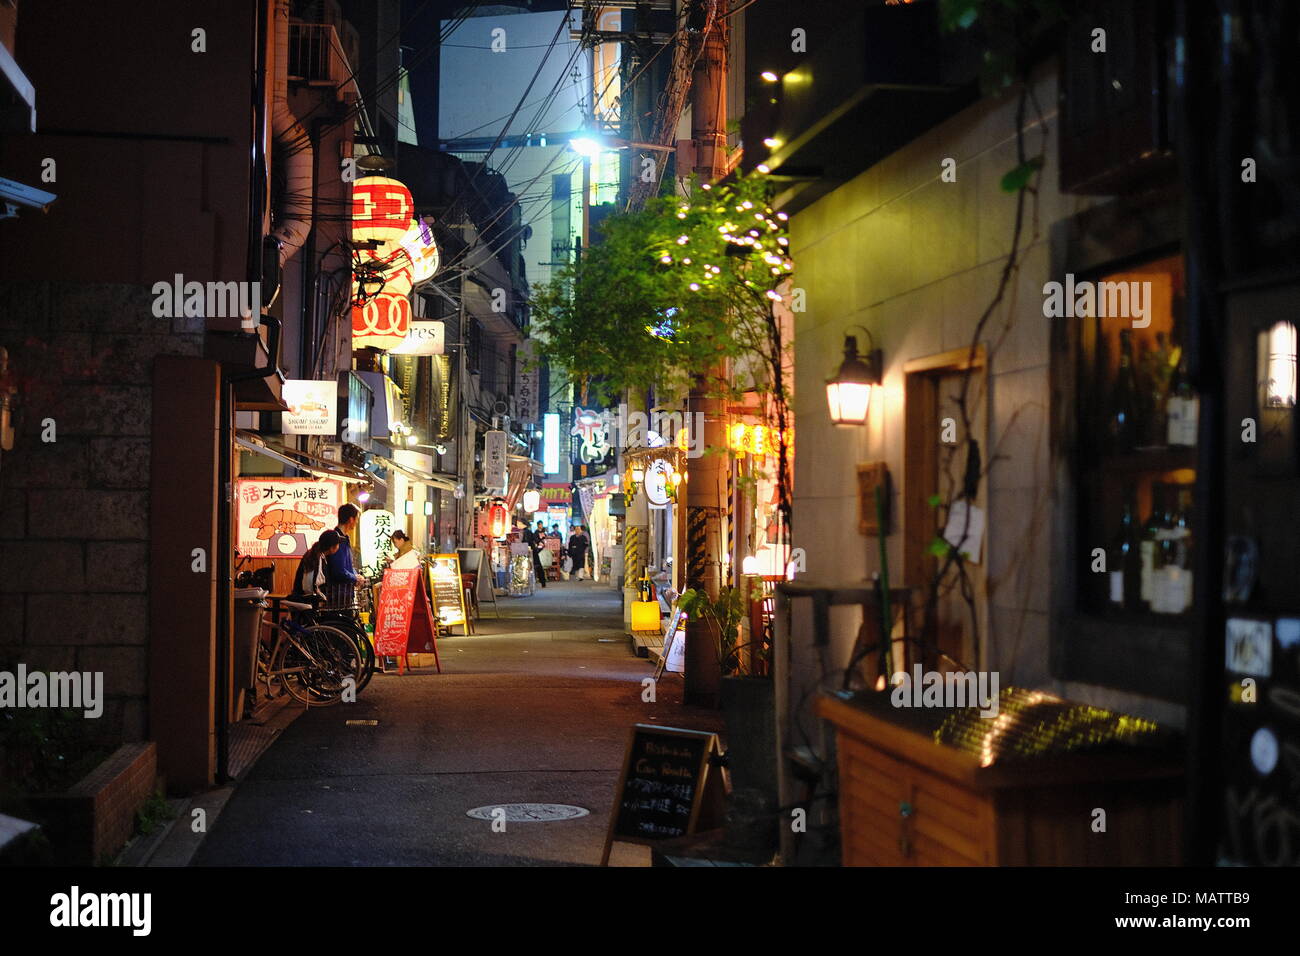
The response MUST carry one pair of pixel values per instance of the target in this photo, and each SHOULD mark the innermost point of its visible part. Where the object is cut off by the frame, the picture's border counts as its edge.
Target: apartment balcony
(317, 58)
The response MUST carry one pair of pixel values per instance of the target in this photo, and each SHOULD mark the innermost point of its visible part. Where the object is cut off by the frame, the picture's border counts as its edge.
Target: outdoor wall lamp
(410, 506)
(1278, 352)
(848, 392)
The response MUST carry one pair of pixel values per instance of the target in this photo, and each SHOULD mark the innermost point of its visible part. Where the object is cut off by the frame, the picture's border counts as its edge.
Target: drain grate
(529, 812)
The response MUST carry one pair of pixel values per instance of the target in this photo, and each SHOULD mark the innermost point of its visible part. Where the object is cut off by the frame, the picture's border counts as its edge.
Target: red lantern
(382, 210)
(500, 520)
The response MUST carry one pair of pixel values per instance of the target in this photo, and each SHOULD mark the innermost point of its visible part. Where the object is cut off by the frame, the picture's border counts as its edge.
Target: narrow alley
(534, 708)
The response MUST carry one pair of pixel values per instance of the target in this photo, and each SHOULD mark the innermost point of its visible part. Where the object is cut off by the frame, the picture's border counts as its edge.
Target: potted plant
(748, 708)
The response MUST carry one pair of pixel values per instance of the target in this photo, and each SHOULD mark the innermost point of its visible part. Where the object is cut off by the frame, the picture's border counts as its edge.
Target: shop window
(1136, 427)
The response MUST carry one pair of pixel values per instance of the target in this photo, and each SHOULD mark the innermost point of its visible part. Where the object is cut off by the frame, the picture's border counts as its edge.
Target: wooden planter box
(93, 819)
(906, 800)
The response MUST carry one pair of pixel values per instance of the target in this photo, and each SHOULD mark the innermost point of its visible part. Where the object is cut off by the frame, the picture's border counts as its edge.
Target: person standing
(535, 538)
(579, 548)
(342, 577)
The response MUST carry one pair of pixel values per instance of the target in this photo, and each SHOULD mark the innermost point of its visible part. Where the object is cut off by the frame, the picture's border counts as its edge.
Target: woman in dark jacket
(310, 577)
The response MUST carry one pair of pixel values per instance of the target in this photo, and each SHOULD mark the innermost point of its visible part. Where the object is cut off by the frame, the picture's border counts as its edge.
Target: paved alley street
(539, 715)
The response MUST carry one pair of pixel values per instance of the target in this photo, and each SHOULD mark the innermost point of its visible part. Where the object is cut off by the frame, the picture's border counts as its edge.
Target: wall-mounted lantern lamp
(1278, 346)
(532, 501)
(848, 391)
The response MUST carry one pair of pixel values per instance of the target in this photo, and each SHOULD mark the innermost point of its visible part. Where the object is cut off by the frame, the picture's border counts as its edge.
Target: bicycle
(311, 661)
(343, 611)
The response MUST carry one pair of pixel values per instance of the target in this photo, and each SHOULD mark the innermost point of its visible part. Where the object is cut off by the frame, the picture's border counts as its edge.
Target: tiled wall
(916, 260)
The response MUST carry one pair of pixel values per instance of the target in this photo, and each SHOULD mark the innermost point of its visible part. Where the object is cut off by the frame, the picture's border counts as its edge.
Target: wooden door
(937, 453)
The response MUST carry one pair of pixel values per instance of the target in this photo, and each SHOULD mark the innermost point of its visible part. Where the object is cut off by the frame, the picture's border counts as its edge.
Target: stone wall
(74, 513)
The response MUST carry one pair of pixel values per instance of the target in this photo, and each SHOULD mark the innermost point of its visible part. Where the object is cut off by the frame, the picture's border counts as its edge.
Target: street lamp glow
(769, 76)
(586, 146)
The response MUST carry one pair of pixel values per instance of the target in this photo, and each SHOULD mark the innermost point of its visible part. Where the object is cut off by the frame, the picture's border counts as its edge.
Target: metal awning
(299, 459)
(416, 474)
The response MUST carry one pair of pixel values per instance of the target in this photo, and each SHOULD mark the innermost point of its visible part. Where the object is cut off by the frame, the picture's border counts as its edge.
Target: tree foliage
(670, 292)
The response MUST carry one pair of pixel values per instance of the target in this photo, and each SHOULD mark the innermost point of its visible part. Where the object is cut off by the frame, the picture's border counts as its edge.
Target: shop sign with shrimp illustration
(283, 517)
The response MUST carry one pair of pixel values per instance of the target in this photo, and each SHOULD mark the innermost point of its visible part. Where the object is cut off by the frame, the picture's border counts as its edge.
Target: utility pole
(705, 479)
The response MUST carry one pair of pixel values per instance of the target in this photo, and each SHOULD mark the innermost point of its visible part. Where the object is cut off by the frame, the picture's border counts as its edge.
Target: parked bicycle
(310, 660)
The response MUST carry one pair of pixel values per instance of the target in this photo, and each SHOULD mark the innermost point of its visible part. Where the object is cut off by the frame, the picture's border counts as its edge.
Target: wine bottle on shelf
(1123, 566)
(1122, 414)
(1172, 582)
(1149, 544)
(1184, 409)
(1157, 366)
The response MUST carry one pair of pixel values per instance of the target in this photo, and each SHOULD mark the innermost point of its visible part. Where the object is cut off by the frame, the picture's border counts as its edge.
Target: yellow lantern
(645, 615)
(737, 436)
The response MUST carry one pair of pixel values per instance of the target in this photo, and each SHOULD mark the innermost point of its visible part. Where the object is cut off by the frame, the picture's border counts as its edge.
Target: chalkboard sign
(662, 786)
(447, 590)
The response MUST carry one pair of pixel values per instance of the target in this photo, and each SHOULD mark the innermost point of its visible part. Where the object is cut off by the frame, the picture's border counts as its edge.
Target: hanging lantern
(500, 520)
(420, 248)
(532, 500)
(381, 212)
(381, 220)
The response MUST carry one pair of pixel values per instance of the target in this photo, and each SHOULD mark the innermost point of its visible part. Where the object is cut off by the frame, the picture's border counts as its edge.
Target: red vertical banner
(396, 604)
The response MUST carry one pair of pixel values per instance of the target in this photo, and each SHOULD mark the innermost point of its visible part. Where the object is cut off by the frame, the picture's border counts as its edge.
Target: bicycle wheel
(316, 662)
(351, 627)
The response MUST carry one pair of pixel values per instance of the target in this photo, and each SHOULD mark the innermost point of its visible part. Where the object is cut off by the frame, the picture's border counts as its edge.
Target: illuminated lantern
(500, 520)
(384, 321)
(381, 214)
(532, 500)
(758, 440)
(420, 248)
(645, 615)
(382, 209)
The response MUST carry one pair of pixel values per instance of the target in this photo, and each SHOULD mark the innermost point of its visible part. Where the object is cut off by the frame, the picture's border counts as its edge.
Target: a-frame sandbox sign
(404, 621)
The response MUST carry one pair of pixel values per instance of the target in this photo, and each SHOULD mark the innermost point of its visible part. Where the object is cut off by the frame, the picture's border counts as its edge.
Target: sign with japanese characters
(283, 517)
(311, 407)
(661, 791)
(528, 385)
(494, 462)
(375, 531)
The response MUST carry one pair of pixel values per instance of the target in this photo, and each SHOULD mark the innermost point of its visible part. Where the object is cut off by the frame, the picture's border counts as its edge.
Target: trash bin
(249, 603)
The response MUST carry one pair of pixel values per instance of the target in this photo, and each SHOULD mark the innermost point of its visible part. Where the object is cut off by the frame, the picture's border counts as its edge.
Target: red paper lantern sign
(381, 213)
(381, 210)
(500, 520)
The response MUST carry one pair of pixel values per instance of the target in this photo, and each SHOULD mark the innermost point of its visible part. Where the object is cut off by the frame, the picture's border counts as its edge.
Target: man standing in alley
(579, 548)
(535, 538)
(342, 577)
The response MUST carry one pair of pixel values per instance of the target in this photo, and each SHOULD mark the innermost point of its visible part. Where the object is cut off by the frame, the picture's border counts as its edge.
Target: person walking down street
(579, 549)
(535, 538)
(342, 577)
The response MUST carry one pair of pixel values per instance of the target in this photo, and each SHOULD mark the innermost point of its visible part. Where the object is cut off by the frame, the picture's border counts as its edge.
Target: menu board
(662, 785)
(447, 590)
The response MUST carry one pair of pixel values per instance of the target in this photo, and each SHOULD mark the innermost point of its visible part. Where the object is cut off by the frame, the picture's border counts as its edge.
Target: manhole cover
(529, 812)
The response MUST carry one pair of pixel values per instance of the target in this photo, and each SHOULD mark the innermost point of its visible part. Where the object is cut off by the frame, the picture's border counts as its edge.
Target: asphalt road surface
(537, 714)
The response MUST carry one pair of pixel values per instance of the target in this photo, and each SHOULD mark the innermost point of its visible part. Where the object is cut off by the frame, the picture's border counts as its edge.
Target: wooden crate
(906, 800)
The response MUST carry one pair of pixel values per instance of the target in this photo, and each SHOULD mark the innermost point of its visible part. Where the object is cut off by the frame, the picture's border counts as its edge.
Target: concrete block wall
(74, 518)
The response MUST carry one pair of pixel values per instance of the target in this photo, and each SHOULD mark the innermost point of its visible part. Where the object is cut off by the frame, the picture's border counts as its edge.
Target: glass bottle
(1122, 415)
(1149, 544)
(1172, 585)
(1123, 565)
(1184, 409)
(1158, 366)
